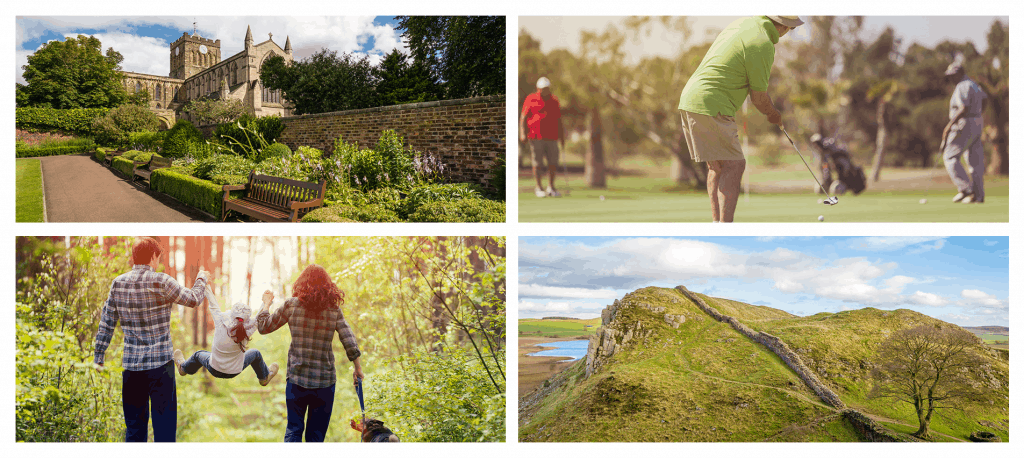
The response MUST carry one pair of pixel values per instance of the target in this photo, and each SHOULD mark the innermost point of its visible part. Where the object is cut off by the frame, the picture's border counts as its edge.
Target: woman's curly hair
(316, 291)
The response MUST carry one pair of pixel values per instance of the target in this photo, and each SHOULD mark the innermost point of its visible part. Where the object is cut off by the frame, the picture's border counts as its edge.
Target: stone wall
(774, 344)
(871, 431)
(468, 135)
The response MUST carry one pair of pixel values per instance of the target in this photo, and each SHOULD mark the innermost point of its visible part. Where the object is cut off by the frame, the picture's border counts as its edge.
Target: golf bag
(849, 177)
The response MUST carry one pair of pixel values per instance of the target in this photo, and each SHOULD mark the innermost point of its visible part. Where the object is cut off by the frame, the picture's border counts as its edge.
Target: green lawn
(651, 199)
(558, 328)
(29, 199)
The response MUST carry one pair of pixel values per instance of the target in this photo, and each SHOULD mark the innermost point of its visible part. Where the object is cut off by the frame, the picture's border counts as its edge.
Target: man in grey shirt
(963, 135)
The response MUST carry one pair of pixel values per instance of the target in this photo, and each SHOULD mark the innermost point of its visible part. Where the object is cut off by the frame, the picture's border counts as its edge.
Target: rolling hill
(672, 365)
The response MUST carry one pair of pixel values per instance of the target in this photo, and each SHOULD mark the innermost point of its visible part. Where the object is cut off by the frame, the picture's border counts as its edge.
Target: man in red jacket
(541, 123)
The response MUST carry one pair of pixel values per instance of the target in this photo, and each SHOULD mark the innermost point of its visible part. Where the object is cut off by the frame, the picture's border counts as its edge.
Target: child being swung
(229, 355)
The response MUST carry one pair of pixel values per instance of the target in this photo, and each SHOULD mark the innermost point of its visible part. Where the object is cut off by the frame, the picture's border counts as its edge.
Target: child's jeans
(201, 358)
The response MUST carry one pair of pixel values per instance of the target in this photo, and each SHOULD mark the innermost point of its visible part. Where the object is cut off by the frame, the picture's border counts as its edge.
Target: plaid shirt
(311, 355)
(141, 300)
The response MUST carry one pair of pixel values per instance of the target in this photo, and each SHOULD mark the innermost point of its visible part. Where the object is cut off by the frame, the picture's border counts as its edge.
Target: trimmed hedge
(38, 151)
(191, 191)
(460, 211)
(125, 163)
(346, 214)
(75, 120)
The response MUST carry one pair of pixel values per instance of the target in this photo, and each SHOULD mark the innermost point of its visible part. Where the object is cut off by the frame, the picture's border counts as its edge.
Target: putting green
(654, 200)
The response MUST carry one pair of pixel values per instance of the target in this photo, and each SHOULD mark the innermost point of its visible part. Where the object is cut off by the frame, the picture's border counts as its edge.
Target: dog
(373, 430)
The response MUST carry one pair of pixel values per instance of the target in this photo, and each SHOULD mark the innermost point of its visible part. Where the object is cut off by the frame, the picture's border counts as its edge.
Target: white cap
(788, 21)
(543, 82)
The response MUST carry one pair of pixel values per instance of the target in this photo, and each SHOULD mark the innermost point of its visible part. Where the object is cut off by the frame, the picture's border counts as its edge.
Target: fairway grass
(638, 199)
(29, 193)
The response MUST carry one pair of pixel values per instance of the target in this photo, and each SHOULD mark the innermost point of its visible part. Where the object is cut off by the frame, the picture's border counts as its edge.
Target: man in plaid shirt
(142, 300)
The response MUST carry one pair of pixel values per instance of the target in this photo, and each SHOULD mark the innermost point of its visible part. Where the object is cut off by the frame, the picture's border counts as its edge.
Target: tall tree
(73, 73)
(993, 73)
(467, 53)
(323, 82)
(930, 368)
(401, 80)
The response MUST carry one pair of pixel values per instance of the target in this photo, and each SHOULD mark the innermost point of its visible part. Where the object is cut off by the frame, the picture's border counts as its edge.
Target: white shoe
(960, 196)
(968, 200)
(539, 192)
(273, 372)
(179, 359)
(553, 193)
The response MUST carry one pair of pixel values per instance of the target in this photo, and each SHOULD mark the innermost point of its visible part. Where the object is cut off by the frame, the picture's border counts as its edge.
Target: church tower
(192, 54)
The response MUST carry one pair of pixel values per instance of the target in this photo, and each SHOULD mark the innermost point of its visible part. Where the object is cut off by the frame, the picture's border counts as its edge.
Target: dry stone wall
(871, 431)
(774, 344)
(468, 135)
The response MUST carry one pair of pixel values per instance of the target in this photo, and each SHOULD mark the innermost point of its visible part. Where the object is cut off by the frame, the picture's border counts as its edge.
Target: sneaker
(960, 196)
(970, 200)
(179, 359)
(273, 372)
(552, 193)
(539, 192)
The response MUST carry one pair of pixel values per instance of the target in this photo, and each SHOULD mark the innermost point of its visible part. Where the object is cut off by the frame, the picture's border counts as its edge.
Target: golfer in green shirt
(739, 63)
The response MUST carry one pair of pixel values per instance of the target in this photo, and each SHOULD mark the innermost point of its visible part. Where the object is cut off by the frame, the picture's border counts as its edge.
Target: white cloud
(575, 293)
(929, 299)
(893, 243)
(981, 299)
(897, 282)
(990, 242)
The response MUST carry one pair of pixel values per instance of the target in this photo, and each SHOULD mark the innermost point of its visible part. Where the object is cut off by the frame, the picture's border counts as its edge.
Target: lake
(574, 349)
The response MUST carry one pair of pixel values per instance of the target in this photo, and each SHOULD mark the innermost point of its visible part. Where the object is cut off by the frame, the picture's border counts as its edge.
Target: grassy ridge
(706, 382)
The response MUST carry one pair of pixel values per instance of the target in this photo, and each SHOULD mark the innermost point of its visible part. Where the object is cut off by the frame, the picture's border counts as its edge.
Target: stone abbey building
(198, 71)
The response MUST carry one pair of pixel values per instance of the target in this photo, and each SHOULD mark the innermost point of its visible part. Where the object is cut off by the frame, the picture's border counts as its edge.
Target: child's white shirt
(226, 356)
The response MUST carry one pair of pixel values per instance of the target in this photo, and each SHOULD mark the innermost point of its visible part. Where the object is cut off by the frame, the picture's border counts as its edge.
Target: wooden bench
(274, 199)
(145, 169)
(109, 157)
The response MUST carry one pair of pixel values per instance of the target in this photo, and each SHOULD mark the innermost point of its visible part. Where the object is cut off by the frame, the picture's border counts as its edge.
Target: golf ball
(821, 217)
(924, 201)
(602, 197)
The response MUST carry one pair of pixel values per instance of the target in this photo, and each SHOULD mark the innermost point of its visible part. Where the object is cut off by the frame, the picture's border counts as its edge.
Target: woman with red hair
(313, 316)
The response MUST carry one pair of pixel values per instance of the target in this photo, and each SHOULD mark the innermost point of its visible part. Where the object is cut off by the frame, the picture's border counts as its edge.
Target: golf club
(831, 200)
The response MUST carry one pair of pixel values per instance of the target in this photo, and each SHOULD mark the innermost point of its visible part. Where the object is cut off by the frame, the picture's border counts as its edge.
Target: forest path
(79, 189)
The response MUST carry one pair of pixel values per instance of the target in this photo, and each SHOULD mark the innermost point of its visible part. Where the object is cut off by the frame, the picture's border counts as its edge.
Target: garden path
(79, 189)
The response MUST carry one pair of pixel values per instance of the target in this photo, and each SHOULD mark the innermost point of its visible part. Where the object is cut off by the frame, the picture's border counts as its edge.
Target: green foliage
(389, 164)
(466, 52)
(497, 178)
(54, 148)
(275, 150)
(149, 141)
(423, 194)
(439, 397)
(191, 191)
(75, 120)
(403, 81)
(222, 164)
(29, 191)
(243, 137)
(465, 210)
(323, 82)
(125, 163)
(116, 125)
(73, 73)
(179, 138)
(344, 213)
(214, 111)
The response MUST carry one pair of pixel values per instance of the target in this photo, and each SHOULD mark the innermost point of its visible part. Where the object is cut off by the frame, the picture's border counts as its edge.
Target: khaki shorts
(544, 151)
(711, 138)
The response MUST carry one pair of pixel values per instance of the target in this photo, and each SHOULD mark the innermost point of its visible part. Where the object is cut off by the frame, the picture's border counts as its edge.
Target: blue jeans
(139, 389)
(318, 401)
(201, 358)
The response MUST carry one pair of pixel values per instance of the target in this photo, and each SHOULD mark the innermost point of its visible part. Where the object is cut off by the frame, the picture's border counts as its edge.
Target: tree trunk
(1000, 163)
(594, 170)
(876, 167)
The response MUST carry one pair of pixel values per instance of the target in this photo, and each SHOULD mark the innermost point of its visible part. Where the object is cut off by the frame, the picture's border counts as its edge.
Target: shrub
(367, 213)
(465, 210)
(179, 136)
(275, 150)
(211, 111)
(113, 127)
(76, 120)
(388, 164)
(438, 193)
(191, 191)
(53, 148)
(249, 134)
(148, 141)
(229, 179)
(100, 154)
(222, 164)
(281, 167)
(125, 163)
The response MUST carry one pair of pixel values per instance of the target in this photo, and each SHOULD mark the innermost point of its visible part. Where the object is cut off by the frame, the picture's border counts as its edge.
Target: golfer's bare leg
(713, 178)
(552, 170)
(729, 187)
(536, 176)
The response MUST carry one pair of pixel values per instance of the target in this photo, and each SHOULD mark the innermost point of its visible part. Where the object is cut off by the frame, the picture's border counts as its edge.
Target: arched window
(138, 86)
(156, 95)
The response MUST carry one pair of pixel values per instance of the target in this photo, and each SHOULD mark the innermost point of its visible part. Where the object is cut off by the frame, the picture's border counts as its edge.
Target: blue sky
(145, 40)
(963, 280)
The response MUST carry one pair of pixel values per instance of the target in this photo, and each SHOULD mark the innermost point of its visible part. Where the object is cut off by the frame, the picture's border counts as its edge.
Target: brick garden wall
(466, 134)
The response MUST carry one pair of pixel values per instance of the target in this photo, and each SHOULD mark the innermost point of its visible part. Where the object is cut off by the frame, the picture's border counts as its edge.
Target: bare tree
(930, 368)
